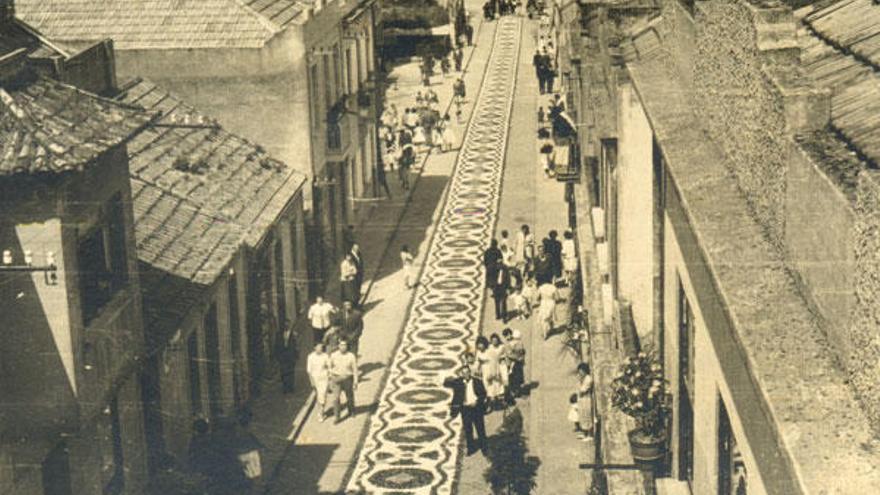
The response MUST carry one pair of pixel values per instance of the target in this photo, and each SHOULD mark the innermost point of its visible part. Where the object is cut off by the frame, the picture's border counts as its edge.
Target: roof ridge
(265, 21)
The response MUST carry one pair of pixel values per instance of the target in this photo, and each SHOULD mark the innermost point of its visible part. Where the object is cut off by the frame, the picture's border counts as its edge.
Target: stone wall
(743, 110)
(679, 33)
(864, 330)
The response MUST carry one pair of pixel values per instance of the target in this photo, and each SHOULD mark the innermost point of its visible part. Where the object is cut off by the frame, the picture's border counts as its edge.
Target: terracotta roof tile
(841, 51)
(50, 127)
(161, 24)
(200, 192)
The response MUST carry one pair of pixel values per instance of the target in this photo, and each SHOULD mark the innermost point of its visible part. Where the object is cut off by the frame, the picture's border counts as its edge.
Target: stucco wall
(864, 330)
(635, 206)
(819, 237)
(742, 109)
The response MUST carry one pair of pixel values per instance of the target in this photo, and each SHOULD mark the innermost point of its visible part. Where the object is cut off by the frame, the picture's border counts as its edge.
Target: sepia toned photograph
(439, 247)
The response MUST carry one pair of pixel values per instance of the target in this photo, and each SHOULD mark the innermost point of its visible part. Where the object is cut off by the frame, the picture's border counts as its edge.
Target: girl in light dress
(497, 347)
(409, 270)
(547, 296)
(448, 135)
(419, 137)
(585, 398)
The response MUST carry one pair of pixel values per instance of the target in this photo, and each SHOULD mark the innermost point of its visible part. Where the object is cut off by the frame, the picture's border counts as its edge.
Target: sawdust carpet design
(412, 446)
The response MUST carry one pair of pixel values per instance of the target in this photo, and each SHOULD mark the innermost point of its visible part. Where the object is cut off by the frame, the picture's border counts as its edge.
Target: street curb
(309, 405)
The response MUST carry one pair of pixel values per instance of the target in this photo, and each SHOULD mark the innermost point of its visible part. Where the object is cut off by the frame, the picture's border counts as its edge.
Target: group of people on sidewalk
(489, 380)
(332, 365)
(524, 277)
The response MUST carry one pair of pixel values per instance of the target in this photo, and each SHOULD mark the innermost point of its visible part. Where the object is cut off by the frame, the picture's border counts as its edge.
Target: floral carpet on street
(412, 445)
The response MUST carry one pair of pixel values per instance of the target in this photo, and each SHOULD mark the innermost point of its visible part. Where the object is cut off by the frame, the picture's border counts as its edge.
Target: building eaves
(821, 426)
(160, 24)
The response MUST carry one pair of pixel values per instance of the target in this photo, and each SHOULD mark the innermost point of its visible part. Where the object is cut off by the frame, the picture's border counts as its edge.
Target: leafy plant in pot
(640, 391)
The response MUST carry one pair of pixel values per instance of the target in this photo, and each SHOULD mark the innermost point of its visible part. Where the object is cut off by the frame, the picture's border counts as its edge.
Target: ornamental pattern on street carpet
(412, 445)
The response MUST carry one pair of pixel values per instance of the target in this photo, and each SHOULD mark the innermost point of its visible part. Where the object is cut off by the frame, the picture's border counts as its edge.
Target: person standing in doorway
(343, 379)
(286, 352)
(318, 369)
(468, 400)
(321, 317)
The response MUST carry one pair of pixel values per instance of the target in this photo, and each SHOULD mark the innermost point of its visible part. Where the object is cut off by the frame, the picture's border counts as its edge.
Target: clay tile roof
(161, 24)
(841, 51)
(50, 127)
(200, 192)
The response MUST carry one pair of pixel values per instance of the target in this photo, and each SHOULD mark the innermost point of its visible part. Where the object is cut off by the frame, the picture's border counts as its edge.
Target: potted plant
(640, 392)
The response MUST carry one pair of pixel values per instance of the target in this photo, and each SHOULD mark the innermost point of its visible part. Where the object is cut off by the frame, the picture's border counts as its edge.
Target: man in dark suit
(351, 325)
(499, 290)
(359, 264)
(543, 267)
(468, 399)
(491, 257)
(553, 248)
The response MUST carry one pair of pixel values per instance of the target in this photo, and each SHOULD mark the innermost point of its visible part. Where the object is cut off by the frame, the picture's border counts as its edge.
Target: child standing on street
(574, 415)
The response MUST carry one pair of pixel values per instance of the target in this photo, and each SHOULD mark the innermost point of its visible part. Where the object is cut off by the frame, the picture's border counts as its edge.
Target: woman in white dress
(497, 345)
(409, 270)
(547, 295)
(318, 369)
(419, 137)
(448, 135)
(489, 359)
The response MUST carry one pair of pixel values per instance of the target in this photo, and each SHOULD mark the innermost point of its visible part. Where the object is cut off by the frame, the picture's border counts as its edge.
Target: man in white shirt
(468, 399)
(318, 368)
(321, 317)
(343, 378)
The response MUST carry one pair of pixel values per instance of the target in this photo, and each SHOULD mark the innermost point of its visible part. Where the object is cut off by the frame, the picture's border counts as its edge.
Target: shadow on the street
(315, 459)
(365, 408)
(414, 225)
(366, 368)
(511, 470)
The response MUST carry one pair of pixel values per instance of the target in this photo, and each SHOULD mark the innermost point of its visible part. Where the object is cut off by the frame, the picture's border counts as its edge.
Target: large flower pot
(647, 449)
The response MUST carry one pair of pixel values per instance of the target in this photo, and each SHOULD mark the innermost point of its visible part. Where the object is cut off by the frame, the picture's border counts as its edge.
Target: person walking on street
(447, 134)
(358, 259)
(516, 352)
(409, 270)
(458, 58)
(468, 400)
(321, 317)
(491, 256)
(540, 73)
(500, 289)
(553, 248)
(546, 307)
(543, 267)
(348, 279)
(585, 398)
(343, 379)
(524, 249)
(286, 352)
(351, 324)
(459, 92)
(318, 369)
(407, 160)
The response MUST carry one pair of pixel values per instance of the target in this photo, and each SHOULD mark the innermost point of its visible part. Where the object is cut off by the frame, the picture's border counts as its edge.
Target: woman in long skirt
(409, 270)
(547, 296)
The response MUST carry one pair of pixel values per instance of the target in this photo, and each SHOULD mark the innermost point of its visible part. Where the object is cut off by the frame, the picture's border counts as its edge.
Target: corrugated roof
(161, 24)
(841, 50)
(50, 127)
